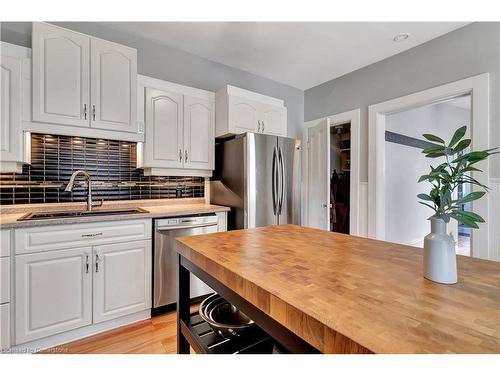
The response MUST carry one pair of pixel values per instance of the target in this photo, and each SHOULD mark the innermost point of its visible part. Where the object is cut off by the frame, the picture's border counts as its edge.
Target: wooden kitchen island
(316, 291)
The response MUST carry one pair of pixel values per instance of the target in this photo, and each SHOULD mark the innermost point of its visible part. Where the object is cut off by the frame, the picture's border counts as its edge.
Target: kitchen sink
(63, 214)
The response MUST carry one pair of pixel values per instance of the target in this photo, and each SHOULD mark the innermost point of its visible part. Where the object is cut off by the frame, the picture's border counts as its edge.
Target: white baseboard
(363, 209)
(494, 218)
(76, 334)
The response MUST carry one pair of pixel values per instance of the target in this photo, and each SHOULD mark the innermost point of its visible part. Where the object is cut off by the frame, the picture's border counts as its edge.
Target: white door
(164, 146)
(318, 192)
(122, 279)
(273, 120)
(10, 111)
(113, 86)
(60, 75)
(199, 133)
(53, 292)
(243, 115)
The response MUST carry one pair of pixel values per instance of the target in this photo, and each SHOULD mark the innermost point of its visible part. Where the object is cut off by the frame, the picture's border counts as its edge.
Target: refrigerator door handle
(274, 180)
(281, 179)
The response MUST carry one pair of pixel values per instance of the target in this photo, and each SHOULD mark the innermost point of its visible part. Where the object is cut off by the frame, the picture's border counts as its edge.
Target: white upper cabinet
(199, 140)
(81, 82)
(273, 120)
(243, 115)
(10, 113)
(179, 129)
(113, 87)
(61, 76)
(164, 135)
(121, 279)
(240, 111)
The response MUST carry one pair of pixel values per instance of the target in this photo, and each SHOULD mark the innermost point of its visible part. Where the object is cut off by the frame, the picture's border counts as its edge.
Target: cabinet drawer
(56, 237)
(4, 280)
(4, 243)
(4, 326)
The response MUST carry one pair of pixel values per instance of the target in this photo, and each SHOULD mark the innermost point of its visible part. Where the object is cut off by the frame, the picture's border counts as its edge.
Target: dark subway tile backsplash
(111, 164)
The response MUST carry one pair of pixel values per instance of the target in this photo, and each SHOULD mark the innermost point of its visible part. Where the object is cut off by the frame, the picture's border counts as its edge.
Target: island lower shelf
(194, 332)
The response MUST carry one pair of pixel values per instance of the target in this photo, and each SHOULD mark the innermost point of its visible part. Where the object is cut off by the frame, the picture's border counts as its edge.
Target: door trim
(478, 88)
(354, 117)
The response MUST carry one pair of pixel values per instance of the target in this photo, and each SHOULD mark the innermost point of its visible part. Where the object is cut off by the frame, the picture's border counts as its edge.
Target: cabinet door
(122, 279)
(199, 133)
(113, 86)
(164, 124)
(273, 120)
(243, 115)
(60, 75)
(11, 107)
(53, 292)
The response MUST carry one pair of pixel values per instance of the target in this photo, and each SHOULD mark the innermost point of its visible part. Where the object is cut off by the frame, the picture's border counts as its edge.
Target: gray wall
(173, 65)
(471, 50)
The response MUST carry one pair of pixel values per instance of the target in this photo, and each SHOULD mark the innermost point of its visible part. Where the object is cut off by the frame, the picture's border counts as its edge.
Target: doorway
(477, 88)
(340, 177)
(405, 218)
(331, 173)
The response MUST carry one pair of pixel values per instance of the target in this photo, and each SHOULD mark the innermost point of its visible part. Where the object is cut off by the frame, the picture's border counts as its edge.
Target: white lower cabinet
(4, 326)
(53, 292)
(71, 284)
(121, 274)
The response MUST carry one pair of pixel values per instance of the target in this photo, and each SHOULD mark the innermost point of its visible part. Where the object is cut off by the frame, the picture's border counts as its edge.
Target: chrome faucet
(71, 183)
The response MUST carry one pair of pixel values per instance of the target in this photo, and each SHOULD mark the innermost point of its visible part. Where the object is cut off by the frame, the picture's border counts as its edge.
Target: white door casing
(113, 86)
(120, 283)
(199, 133)
(478, 88)
(318, 166)
(164, 129)
(61, 61)
(53, 292)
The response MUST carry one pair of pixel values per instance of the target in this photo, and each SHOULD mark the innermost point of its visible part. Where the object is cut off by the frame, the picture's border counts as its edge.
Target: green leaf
(424, 197)
(424, 178)
(464, 220)
(433, 138)
(462, 145)
(470, 197)
(472, 216)
(471, 169)
(435, 154)
(433, 149)
(428, 205)
(459, 133)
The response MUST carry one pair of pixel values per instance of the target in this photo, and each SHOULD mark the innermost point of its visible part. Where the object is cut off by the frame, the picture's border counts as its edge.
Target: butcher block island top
(344, 294)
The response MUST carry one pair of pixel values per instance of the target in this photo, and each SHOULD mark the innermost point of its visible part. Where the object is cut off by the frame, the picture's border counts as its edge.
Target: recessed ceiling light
(401, 37)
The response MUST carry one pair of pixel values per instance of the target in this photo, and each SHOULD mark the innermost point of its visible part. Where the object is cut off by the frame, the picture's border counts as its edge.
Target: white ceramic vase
(440, 259)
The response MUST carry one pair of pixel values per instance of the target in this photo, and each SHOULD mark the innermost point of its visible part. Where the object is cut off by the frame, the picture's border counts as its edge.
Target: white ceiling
(299, 54)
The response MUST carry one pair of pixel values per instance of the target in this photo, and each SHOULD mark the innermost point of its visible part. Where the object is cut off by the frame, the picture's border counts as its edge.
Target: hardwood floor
(153, 336)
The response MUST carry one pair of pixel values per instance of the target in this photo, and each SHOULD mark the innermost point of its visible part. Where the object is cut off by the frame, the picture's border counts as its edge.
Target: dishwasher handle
(173, 227)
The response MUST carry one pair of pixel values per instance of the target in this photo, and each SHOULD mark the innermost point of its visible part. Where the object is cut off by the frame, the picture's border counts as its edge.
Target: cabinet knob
(85, 111)
(93, 112)
(263, 126)
(180, 155)
(186, 155)
(258, 127)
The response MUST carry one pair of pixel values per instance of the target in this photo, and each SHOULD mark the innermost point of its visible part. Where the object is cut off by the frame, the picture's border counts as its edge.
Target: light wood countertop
(343, 293)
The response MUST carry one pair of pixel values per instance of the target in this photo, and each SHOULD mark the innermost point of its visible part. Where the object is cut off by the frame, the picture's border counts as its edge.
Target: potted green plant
(440, 263)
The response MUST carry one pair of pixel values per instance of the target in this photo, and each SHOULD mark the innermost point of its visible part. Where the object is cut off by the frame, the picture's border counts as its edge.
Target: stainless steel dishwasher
(165, 257)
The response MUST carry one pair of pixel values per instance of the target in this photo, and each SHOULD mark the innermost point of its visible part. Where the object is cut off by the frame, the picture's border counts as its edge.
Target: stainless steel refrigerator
(258, 176)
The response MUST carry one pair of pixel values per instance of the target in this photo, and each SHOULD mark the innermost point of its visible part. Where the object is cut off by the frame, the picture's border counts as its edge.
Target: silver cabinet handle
(274, 180)
(258, 127)
(180, 155)
(85, 111)
(91, 235)
(87, 263)
(93, 112)
(97, 259)
(186, 155)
